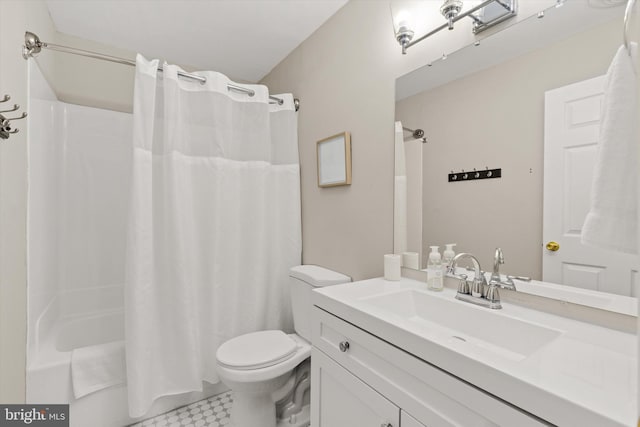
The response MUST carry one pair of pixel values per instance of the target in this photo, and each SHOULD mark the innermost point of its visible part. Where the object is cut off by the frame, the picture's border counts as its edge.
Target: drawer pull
(344, 346)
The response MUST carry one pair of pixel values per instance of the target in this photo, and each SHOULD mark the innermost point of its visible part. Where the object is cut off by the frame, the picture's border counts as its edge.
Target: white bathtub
(49, 368)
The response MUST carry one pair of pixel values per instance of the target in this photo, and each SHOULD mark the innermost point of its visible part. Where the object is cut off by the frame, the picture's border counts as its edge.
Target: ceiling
(244, 39)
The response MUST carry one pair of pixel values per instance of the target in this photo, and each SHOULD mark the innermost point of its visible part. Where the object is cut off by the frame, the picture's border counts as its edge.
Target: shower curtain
(399, 193)
(214, 226)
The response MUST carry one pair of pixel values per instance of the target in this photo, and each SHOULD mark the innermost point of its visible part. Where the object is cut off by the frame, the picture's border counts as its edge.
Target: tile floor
(211, 412)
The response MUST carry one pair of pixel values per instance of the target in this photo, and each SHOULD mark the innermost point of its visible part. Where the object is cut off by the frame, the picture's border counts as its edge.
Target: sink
(464, 326)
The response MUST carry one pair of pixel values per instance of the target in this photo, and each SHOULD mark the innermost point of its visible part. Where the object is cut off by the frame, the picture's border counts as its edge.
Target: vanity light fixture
(484, 15)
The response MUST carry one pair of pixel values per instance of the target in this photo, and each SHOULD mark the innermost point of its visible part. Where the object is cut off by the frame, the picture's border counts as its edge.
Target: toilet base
(288, 406)
(251, 408)
(301, 419)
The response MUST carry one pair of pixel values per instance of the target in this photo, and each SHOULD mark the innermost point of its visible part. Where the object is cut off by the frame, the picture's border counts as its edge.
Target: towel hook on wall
(6, 129)
(475, 174)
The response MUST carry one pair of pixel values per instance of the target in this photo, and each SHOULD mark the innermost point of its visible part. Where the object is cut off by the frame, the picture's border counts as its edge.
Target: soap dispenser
(434, 270)
(448, 256)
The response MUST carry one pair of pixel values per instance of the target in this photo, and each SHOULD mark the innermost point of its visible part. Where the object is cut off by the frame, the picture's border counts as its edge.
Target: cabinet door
(407, 420)
(339, 399)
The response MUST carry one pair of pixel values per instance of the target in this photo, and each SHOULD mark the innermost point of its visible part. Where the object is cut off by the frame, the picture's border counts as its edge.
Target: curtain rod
(416, 134)
(33, 45)
(625, 28)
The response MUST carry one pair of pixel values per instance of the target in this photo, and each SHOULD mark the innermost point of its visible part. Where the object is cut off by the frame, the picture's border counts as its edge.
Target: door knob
(553, 246)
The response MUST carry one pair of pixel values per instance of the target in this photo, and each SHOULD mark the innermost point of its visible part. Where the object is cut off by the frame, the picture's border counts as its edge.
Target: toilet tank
(303, 279)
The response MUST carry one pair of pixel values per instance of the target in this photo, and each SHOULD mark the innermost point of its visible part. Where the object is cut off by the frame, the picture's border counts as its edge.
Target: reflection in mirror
(484, 108)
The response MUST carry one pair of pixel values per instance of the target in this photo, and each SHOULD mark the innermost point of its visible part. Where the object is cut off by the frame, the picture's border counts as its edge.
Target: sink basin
(462, 325)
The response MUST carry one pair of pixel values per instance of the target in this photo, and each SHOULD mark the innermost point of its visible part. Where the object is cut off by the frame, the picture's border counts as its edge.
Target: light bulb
(403, 22)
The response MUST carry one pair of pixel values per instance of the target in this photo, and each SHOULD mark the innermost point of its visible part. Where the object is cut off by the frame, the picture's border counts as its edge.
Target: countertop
(587, 376)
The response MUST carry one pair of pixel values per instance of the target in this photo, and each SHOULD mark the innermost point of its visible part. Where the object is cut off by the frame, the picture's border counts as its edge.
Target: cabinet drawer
(432, 396)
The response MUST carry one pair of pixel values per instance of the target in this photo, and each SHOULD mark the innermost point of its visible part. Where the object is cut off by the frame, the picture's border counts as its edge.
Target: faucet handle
(451, 271)
(477, 288)
(463, 286)
(492, 293)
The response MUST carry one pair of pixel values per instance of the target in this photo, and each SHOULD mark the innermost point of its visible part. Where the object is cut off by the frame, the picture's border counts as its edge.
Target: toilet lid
(256, 350)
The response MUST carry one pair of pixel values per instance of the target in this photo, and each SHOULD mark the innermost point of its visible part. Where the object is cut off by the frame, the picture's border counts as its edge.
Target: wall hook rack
(6, 128)
(475, 174)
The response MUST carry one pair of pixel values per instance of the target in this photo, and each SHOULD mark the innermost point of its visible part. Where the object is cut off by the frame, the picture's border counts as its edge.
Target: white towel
(612, 219)
(97, 367)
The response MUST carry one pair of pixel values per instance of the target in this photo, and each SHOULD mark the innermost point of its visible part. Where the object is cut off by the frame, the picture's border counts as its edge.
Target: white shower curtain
(399, 193)
(214, 227)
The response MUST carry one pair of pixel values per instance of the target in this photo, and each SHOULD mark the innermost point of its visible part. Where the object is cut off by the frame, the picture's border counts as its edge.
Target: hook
(15, 108)
(6, 98)
(8, 119)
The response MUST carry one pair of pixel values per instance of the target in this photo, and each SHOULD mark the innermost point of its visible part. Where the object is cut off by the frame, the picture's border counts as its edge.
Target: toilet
(269, 371)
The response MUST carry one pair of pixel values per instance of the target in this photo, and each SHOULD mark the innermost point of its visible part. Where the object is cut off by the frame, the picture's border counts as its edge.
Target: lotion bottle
(434, 270)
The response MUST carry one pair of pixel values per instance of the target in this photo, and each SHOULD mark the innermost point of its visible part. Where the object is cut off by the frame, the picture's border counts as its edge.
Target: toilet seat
(302, 350)
(256, 350)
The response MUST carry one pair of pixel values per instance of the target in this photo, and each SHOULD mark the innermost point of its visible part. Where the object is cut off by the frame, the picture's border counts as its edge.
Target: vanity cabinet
(407, 420)
(359, 380)
(346, 400)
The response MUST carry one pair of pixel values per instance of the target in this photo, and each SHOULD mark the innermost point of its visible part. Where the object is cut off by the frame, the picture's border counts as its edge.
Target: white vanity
(392, 354)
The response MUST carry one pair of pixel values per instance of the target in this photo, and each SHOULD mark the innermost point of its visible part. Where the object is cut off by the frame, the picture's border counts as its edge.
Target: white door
(344, 400)
(571, 129)
(407, 420)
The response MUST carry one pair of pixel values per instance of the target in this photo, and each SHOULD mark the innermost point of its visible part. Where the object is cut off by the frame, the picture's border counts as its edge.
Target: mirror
(483, 107)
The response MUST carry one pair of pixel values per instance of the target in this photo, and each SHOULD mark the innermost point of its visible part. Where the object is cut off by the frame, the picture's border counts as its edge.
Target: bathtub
(87, 318)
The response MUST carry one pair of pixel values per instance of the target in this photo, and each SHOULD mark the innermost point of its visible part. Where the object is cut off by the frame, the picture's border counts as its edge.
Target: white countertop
(587, 376)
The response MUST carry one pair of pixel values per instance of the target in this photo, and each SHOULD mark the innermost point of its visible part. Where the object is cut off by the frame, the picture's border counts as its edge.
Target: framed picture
(334, 160)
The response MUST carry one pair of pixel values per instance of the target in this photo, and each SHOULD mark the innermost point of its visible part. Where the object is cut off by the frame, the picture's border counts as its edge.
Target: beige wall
(495, 118)
(15, 17)
(345, 75)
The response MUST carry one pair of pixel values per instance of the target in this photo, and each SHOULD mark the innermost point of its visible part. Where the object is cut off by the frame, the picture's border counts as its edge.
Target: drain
(458, 338)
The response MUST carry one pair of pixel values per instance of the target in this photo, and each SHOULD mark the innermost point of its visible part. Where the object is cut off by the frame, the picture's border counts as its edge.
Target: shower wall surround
(14, 17)
(82, 82)
(79, 181)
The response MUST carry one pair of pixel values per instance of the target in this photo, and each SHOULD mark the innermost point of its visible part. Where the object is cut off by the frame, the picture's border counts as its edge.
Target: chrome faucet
(498, 259)
(480, 293)
(507, 283)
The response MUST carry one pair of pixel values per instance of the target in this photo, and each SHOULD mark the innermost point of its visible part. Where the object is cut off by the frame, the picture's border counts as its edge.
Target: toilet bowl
(260, 367)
